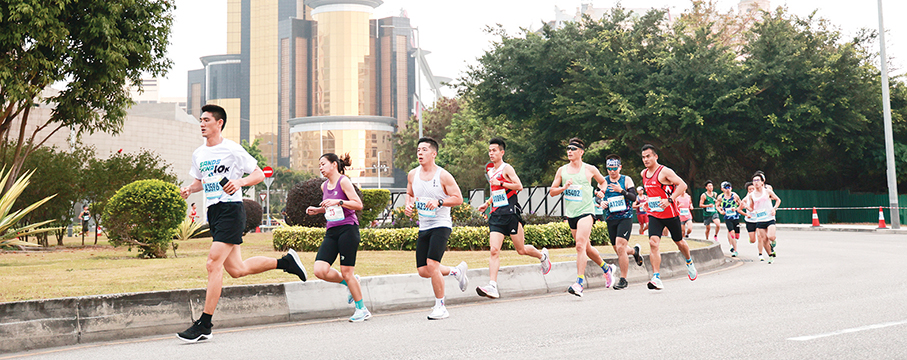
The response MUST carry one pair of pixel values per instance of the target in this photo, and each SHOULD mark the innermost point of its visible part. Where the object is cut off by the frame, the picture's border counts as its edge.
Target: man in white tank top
(432, 191)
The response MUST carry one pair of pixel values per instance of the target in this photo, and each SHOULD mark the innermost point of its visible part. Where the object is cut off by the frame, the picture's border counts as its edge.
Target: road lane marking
(847, 331)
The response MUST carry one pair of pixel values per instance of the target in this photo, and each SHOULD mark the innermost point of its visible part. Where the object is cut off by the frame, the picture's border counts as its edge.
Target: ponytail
(342, 162)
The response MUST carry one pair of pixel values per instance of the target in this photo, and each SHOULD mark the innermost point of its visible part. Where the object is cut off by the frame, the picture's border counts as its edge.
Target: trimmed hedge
(552, 235)
(253, 215)
(374, 201)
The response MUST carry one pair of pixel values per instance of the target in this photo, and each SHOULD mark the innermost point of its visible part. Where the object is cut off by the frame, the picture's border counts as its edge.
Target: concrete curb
(29, 325)
(842, 228)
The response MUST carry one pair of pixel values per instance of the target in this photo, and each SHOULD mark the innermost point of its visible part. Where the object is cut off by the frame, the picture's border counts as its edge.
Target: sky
(454, 31)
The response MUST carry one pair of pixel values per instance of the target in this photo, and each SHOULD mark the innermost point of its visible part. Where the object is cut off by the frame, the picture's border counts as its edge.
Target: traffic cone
(815, 218)
(881, 219)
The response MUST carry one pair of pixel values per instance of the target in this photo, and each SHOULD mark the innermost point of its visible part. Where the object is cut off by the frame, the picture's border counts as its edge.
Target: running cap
(639, 188)
(612, 163)
(725, 185)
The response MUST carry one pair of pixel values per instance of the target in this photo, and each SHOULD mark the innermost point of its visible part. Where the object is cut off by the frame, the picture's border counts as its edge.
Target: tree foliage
(721, 95)
(255, 152)
(104, 177)
(146, 214)
(97, 47)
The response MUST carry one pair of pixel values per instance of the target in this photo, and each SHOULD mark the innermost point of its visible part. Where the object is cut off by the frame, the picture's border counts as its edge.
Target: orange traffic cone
(815, 218)
(881, 219)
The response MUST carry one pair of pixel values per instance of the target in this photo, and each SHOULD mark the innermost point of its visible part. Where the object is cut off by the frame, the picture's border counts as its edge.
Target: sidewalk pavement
(808, 227)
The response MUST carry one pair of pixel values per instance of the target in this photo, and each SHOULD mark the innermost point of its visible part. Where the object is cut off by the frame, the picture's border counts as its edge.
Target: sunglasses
(612, 168)
(572, 148)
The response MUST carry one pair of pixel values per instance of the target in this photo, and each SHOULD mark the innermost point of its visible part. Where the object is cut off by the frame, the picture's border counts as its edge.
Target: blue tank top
(623, 209)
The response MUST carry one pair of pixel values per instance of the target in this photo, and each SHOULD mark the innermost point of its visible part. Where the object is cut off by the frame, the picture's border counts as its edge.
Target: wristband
(440, 202)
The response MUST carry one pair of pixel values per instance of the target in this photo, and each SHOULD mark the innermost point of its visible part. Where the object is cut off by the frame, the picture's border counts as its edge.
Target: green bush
(145, 214)
(552, 235)
(374, 201)
(253, 215)
(305, 194)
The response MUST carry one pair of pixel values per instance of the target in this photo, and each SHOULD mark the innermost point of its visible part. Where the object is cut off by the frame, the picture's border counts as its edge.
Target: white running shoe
(771, 259)
(461, 276)
(489, 291)
(349, 295)
(610, 278)
(655, 284)
(360, 315)
(546, 262)
(576, 289)
(761, 258)
(438, 313)
(691, 271)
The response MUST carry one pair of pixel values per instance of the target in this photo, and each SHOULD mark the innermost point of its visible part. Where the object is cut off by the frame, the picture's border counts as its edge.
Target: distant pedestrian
(85, 216)
(707, 201)
(729, 206)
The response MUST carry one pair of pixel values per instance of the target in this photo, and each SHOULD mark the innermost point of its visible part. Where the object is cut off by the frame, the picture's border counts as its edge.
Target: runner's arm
(410, 197)
(680, 186)
(555, 185)
(454, 197)
(514, 183)
(196, 186)
(354, 203)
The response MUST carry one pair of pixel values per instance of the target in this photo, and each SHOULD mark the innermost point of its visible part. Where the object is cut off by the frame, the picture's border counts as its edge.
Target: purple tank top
(349, 216)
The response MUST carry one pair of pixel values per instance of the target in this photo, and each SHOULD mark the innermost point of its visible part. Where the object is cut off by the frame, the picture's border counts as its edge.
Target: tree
(434, 124)
(255, 151)
(97, 47)
(145, 213)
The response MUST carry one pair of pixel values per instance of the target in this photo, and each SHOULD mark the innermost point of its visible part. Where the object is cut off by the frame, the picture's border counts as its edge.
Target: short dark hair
(649, 147)
(193, 204)
(217, 112)
(707, 182)
(342, 162)
(578, 141)
(748, 184)
(613, 156)
(431, 143)
(759, 174)
(499, 142)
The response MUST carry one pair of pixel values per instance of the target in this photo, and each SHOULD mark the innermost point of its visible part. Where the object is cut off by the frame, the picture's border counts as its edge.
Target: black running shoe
(636, 255)
(195, 333)
(296, 267)
(622, 284)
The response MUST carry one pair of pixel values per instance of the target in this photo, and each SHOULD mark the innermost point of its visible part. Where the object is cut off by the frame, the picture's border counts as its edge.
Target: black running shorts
(505, 224)
(431, 244)
(733, 225)
(227, 221)
(340, 240)
(657, 226)
(751, 227)
(619, 228)
(765, 224)
(575, 220)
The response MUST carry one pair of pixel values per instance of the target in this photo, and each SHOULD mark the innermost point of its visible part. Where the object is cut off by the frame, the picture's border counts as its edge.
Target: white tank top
(762, 207)
(430, 190)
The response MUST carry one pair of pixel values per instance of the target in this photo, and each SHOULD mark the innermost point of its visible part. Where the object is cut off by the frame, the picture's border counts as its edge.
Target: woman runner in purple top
(339, 204)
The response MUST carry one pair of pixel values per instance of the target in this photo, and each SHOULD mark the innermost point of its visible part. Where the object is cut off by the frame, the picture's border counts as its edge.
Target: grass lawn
(73, 270)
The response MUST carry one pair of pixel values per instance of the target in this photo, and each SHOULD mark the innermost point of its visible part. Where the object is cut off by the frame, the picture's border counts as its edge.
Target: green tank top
(578, 198)
(710, 201)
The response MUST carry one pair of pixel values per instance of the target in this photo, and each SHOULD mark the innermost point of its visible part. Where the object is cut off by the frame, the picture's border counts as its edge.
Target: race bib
(685, 212)
(499, 198)
(211, 185)
(424, 211)
(710, 209)
(730, 212)
(333, 213)
(574, 193)
(616, 204)
(655, 204)
(761, 214)
(86, 217)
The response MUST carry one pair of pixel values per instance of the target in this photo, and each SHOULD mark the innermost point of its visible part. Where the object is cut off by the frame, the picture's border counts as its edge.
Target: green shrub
(552, 235)
(253, 215)
(144, 213)
(374, 201)
(305, 194)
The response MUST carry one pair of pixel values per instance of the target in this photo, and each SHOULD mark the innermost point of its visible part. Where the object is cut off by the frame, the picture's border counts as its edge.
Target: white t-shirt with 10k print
(228, 160)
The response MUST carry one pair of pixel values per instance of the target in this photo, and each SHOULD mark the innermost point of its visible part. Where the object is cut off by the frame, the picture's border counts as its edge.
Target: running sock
(493, 283)
(580, 279)
(360, 304)
(343, 282)
(283, 264)
(689, 261)
(439, 302)
(603, 264)
(658, 275)
(206, 319)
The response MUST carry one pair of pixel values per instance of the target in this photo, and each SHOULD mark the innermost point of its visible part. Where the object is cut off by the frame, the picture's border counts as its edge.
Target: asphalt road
(829, 295)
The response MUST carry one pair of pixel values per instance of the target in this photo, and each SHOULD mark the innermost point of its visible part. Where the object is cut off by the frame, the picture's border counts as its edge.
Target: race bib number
(761, 214)
(616, 204)
(424, 211)
(333, 213)
(685, 212)
(86, 217)
(730, 212)
(710, 209)
(655, 204)
(574, 193)
(499, 198)
(212, 187)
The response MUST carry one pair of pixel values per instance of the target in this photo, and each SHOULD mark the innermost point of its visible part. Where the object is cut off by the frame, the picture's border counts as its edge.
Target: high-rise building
(313, 76)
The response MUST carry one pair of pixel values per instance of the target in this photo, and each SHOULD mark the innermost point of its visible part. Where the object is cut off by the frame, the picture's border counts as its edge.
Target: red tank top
(655, 189)
(498, 208)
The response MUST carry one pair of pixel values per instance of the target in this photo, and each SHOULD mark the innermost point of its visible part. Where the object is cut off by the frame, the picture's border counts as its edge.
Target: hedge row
(552, 235)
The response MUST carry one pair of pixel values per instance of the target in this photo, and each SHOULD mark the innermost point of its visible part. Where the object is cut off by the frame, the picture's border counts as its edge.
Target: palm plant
(9, 220)
(187, 230)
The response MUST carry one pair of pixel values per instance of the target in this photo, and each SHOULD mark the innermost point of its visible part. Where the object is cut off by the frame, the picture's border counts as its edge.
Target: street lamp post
(889, 138)
(378, 169)
(271, 159)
